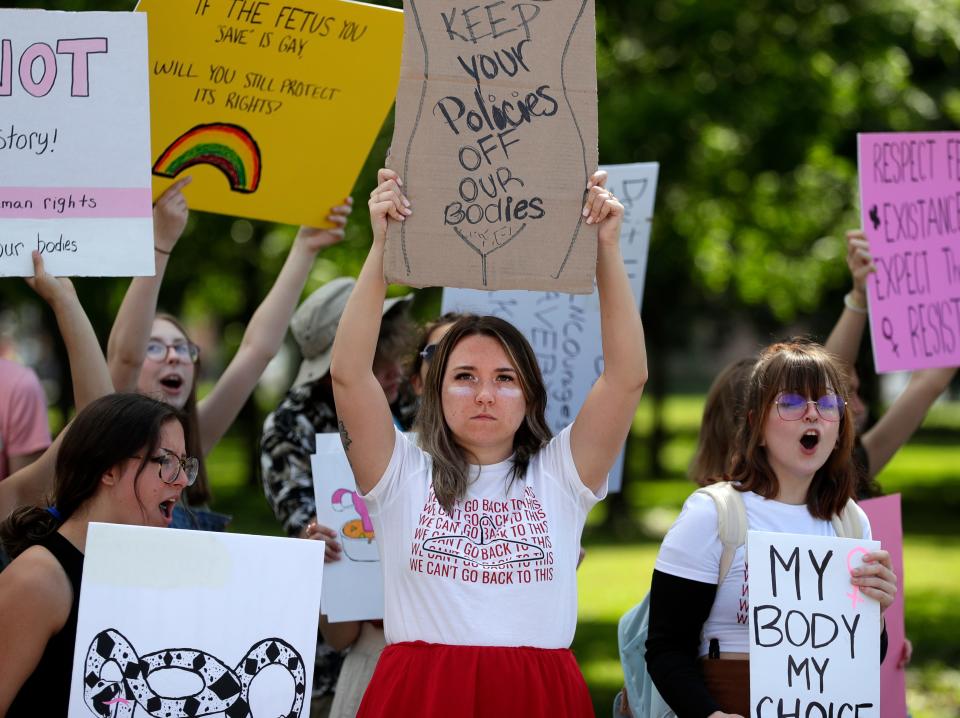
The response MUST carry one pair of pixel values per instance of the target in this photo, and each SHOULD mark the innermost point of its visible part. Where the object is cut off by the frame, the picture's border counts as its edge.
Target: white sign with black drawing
(814, 636)
(185, 623)
(564, 329)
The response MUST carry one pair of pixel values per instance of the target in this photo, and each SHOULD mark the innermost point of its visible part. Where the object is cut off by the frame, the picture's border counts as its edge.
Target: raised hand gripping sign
(910, 212)
(495, 140)
(74, 143)
(814, 638)
(563, 329)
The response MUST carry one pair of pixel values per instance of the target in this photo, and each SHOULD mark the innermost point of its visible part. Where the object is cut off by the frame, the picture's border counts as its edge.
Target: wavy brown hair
(722, 416)
(450, 460)
(808, 369)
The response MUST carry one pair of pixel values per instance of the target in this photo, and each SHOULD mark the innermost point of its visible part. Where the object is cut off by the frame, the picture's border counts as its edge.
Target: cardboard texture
(272, 107)
(910, 212)
(814, 636)
(74, 144)
(564, 330)
(886, 525)
(495, 139)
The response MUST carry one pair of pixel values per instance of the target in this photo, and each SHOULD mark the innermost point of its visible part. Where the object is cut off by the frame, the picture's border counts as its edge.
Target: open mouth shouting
(809, 441)
(166, 509)
(172, 382)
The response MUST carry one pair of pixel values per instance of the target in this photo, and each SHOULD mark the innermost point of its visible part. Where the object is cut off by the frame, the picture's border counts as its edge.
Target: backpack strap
(731, 522)
(847, 523)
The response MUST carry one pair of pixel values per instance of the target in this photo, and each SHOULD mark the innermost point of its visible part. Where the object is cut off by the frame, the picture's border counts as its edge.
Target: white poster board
(353, 586)
(75, 143)
(564, 329)
(814, 637)
(195, 623)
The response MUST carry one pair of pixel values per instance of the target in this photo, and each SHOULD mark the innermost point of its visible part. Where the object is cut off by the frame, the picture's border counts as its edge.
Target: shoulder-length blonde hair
(450, 460)
(808, 369)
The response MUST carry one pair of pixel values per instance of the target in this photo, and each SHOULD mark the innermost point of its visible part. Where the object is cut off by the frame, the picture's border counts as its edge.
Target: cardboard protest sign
(353, 586)
(910, 212)
(186, 623)
(887, 527)
(272, 107)
(74, 144)
(564, 329)
(495, 139)
(814, 637)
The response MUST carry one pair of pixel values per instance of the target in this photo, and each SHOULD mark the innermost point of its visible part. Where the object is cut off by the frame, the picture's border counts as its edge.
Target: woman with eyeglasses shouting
(122, 461)
(792, 468)
(151, 353)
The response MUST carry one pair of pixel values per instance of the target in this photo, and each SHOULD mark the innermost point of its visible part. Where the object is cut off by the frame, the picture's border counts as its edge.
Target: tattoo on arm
(344, 436)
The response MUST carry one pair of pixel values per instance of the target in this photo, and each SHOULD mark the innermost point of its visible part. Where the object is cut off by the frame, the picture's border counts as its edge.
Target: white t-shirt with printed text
(499, 571)
(692, 548)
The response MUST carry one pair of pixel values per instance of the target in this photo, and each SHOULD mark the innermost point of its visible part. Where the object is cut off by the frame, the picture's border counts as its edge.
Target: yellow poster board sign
(272, 107)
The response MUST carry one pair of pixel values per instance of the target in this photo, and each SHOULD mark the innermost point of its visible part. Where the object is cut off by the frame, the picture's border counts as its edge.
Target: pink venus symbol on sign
(854, 595)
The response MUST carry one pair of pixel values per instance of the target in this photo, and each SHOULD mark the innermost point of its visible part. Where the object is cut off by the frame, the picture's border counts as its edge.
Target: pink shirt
(23, 414)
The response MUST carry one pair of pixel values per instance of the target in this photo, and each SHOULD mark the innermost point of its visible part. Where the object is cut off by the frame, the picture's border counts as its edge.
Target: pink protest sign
(910, 212)
(886, 526)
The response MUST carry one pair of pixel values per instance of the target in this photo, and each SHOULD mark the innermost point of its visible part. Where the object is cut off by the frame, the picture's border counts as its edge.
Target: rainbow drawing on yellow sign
(229, 148)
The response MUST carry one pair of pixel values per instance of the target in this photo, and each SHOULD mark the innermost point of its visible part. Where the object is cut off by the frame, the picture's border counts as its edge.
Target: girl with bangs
(792, 468)
(479, 522)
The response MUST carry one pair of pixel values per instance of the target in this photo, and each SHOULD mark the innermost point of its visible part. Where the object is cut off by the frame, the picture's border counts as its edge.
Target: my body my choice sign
(814, 637)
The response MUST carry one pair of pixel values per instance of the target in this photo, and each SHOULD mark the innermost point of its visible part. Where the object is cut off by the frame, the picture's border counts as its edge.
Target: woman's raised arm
(264, 334)
(607, 413)
(127, 345)
(363, 415)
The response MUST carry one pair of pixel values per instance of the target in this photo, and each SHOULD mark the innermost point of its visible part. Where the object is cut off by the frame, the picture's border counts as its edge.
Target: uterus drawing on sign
(356, 535)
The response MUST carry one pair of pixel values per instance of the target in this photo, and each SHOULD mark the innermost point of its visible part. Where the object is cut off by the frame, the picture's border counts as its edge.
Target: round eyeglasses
(793, 407)
(170, 465)
(184, 351)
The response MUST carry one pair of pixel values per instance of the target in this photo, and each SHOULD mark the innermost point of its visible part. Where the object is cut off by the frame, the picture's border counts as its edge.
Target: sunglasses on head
(428, 351)
(793, 407)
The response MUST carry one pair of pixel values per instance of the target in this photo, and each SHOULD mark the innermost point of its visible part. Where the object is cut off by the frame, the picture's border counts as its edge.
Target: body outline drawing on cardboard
(498, 234)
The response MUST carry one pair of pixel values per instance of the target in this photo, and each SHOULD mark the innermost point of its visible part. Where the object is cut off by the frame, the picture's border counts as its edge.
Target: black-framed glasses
(428, 352)
(185, 351)
(793, 407)
(170, 465)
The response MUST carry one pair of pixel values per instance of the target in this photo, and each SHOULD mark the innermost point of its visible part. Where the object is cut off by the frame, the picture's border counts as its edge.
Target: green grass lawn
(615, 576)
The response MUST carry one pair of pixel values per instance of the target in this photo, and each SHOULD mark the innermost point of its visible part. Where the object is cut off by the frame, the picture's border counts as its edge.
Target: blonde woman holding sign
(479, 525)
(792, 467)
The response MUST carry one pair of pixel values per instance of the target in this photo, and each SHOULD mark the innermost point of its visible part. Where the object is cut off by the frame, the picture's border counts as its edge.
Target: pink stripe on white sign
(75, 202)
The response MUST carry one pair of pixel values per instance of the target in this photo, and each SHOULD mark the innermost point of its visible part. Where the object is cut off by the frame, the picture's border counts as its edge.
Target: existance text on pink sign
(910, 212)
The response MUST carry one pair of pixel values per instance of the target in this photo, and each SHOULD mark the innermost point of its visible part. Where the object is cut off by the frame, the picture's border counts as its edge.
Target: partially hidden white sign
(182, 623)
(353, 586)
(564, 329)
(814, 636)
(75, 143)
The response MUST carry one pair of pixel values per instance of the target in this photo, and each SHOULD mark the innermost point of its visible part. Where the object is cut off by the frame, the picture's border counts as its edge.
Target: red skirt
(429, 680)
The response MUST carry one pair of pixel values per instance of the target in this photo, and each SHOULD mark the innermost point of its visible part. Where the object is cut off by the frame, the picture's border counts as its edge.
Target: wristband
(162, 251)
(850, 303)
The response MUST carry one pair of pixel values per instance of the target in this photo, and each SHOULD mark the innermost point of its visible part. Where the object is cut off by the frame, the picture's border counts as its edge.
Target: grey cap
(314, 325)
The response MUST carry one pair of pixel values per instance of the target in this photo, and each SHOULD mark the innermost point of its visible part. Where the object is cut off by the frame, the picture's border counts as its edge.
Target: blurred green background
(752, 109)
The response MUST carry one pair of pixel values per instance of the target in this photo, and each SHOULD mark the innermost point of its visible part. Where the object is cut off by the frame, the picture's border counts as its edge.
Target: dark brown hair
(808, 369)
(199, 493)
(450, 461)
(109, 431)
(415, 363)
(722, 416)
